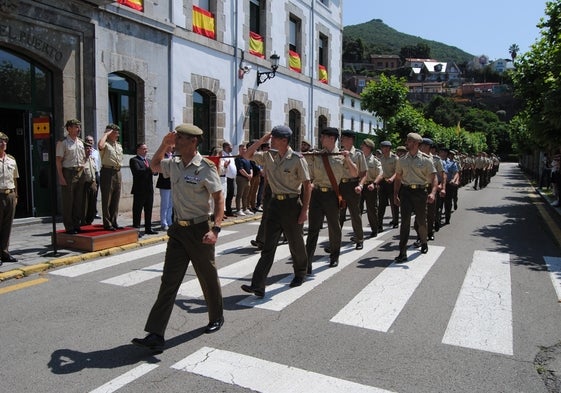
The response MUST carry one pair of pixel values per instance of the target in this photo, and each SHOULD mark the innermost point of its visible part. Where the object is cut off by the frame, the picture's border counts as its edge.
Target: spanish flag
(322, 74)
(203, 22)
(256, 45)
(294, 61)
(136, 4)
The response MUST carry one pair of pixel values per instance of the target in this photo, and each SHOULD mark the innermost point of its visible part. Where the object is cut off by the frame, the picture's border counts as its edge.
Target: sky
(478, 27)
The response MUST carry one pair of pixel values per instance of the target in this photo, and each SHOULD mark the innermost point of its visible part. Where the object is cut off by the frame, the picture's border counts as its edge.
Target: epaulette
(209, 162)
(298, 154)
(424, 154)
(10, 156)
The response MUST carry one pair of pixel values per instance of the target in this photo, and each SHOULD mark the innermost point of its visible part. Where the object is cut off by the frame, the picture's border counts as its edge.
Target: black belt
(349, 180)
(323, 189)
(7, 191)
(416, 186)
(193, 221)
(282, 197)
(115, 168)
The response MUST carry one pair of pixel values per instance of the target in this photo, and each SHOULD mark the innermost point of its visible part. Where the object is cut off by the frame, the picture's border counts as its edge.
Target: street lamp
(262, 77)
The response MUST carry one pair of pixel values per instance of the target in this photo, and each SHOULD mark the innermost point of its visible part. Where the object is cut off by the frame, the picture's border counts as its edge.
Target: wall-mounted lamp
(262, 77)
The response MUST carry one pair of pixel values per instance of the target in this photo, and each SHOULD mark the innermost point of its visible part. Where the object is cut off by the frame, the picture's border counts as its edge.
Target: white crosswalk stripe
(126, 378)
(482, 316)
(262, 375)
(378, 305)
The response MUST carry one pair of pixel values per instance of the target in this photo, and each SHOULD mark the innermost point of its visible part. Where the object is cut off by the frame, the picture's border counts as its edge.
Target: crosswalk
(481, 318)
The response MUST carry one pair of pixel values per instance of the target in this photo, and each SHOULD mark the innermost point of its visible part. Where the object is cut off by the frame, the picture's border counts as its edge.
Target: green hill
(378, 38)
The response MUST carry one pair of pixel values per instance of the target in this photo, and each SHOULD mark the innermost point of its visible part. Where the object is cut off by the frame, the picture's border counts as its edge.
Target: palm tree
(513, 50)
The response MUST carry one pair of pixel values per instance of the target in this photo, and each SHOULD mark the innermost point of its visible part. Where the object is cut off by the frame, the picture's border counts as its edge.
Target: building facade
(149, 66)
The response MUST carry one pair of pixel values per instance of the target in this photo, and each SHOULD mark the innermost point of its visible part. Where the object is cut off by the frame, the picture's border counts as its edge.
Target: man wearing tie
(142, 189)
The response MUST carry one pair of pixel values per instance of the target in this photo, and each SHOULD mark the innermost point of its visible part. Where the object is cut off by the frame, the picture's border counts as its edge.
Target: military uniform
(285, 176)
(386, 188)
(192, 186)
(8, 200)
(90, 189)
(110, 179)
(415, 174)
(374, 170)
(72, 155)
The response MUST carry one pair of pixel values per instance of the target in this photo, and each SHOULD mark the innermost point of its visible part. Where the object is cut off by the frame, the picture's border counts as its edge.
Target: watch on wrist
(216, 229)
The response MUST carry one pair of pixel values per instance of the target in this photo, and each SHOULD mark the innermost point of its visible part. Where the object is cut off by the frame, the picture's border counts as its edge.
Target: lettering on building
(29, 40)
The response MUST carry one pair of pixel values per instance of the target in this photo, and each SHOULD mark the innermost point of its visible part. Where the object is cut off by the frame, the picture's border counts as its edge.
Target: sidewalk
(31, 245)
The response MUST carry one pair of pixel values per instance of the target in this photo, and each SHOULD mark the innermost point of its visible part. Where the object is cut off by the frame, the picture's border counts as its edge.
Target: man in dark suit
(142, 189)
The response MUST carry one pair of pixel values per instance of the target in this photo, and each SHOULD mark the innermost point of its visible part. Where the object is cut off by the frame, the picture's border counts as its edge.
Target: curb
(43, 266)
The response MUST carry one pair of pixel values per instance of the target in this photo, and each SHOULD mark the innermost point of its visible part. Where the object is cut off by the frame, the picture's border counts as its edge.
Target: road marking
(264, 376)
(22, 285)
(482, 316)
(279, 295)
(125, 379)
(147, 273)
(554, 267)
(379, 304)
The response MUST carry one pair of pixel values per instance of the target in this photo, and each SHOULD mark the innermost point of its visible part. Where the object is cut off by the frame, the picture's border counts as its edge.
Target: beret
(427, 141)
(189, 129)
(73, 122)
(369, 142)
(385, 144)
(414, 136)
(401, 148)
(281, 132)
(349, 133)
(112, 126)
(4, 137)
(330, 131)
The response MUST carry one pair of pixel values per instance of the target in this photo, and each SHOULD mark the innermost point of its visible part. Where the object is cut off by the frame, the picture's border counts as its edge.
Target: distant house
(431, 70)
(385, 62)
(501, 65)
(357, 83)
(356, 119)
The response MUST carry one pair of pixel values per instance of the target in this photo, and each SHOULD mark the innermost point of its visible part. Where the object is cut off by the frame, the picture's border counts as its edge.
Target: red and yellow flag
(322, 74)
(203, 22)
(136, 4)
(256, 45)
(294, 61)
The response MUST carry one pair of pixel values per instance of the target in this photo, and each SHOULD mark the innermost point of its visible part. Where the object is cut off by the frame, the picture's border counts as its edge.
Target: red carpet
(96, 230)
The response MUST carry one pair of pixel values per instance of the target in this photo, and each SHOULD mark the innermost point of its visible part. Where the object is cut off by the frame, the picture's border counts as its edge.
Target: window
(203, 18)
(256, 120)
(352, 123)
(342, 122)
(123, 109)
(294, 121)
(204, 117)
(361, 125)
(294, 44)
(322, 123)
(323, 58)
(256, 28)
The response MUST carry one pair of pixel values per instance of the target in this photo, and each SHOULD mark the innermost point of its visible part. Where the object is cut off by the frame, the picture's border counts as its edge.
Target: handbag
(334, 185)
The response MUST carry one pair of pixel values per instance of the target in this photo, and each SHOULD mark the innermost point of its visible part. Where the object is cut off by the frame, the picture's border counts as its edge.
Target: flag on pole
(256, 45)
(136, 4)
(322, 74)
(203, 22)
(294, 61)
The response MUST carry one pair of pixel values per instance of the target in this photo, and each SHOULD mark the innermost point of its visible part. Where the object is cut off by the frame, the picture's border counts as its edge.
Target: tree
(384, 97)
(537, 82)
(513, 50)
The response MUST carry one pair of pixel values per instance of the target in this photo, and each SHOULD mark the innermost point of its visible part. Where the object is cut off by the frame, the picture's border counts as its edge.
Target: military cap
(349, 133)
(189, 129)
(427, 141)
(330, 131)
(378, 151)
(452, 151)
(370, 143)
(4, 137)
(414, 136)
(401, 148)
(73, 122)
(281, 132)
(88, 144)
(112, 126)
(385, 144)
(307, 142)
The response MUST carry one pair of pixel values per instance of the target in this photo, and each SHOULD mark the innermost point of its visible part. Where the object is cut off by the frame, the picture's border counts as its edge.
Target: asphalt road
(472, 315)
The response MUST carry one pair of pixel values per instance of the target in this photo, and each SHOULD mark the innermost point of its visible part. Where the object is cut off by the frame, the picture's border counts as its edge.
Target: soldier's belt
(115, 168)
(193, 221)
(282, 197)
(7, 191)
(324, 189)
(416, 186)
(349, 180)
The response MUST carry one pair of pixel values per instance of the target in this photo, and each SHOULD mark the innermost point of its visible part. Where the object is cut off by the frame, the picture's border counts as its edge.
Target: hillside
(379, 38)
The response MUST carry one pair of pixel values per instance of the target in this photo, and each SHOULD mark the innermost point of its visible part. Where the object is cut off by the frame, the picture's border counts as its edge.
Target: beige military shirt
(8, 172)
(72, 152)
(389, 164)
(319, 175)
(89, 169)
(285, 174)
(357, 156)
(374, 167)
(480, 163)
(191, 185)
(415, 169)
(111, 155)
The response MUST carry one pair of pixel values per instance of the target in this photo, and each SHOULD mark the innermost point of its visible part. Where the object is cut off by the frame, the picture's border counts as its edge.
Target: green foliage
(378, 38)
(384, 97)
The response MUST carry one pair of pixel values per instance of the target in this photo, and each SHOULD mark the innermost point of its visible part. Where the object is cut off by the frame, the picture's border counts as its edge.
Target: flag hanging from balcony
(294, 61)
(203, 22)
(322, 74)
(136, 4)
(256, 45)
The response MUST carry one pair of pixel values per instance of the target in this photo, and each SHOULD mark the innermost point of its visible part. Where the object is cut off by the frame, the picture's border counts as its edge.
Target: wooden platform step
(95, 238)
